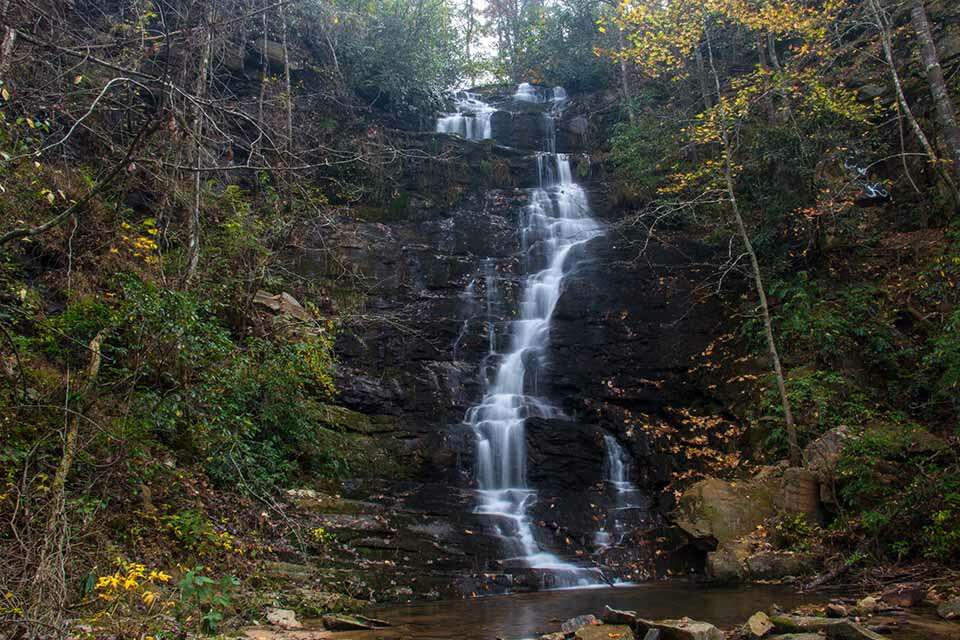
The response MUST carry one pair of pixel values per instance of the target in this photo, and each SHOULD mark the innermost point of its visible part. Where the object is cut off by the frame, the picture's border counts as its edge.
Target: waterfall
(617, 465)
(617, 470)
(526, 92)
(471, 120)
(556, 220)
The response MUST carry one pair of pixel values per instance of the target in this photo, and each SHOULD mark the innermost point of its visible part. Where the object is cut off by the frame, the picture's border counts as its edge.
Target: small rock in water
(802, 624)
(283, 618)
(616, 616)
(904, 595)
(605, 632)
(573, 624)
(759, 625)
(867, 605)
(835, 610)
(352, 623)
(683, 629)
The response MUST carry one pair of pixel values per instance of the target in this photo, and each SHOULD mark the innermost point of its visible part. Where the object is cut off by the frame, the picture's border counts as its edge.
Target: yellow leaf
(78, 80)
(5, 94)
(51, 198)
(31, 123)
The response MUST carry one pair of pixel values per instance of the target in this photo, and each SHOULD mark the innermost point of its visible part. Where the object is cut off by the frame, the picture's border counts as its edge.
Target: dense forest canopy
(164, 165)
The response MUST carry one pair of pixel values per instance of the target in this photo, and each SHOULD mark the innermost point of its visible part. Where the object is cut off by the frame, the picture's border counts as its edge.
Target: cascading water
(554, 223)
(471, 120)
(617, 469)
(617, 465)
(526, 92)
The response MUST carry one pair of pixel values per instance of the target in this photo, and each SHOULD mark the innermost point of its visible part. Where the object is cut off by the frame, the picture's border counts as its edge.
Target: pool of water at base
(521, 616)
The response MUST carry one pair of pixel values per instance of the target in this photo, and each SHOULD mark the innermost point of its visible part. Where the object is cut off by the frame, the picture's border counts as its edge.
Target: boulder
(801, 493)
(949, 610)
(682, 629)
(867, 605)
(721, 511)
(283, 618)
(848, 630)
(822, 455)
(616, 616)
(726, 564)
(773, 565)
(604, 632)
(835, 610)
(759, 625)
(283, 304)
(573, 624)
(311, 500)
(904, 595)
(733, 562)
(786, 623)
(310, 603)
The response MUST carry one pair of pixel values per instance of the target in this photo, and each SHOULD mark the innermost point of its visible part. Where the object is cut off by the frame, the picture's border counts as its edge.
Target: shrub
(248, 410)
(944, 360)
(904, 494)
(821, 400)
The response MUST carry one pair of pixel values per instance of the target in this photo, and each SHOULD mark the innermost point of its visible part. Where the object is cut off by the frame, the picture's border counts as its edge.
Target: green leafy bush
(794, 533)
(944, 360)
(400, 53)
(900, 487)
(821, 400)
(248, 410)
(202, 596)
(642, 153)
(832, 325)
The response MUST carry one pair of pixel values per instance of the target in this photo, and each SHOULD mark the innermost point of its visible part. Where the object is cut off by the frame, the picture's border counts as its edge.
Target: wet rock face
(429, 282)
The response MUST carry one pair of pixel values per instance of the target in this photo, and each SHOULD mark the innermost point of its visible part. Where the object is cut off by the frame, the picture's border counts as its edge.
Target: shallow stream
(522, 616)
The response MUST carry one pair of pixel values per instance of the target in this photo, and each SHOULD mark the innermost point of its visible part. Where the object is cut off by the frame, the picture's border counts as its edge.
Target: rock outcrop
(431, 278)
(719, 511)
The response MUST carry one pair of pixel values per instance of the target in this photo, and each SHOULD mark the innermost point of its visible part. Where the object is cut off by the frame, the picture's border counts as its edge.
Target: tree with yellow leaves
(672, 39)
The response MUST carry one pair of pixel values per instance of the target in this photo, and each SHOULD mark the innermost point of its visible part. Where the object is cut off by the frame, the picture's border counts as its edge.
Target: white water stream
(617, 470)
(471, 119)
(555, 222)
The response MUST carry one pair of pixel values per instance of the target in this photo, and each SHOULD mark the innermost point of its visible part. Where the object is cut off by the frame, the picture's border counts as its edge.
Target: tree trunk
(6, 51)
(767, 96)
(286, 77)
(264, 75)
(7, 43)
(772, 50)
(796, 458)
(49, 585)
(702, 78)
(200, 90)
(902, 98)
(625, 78)
(946, 115)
